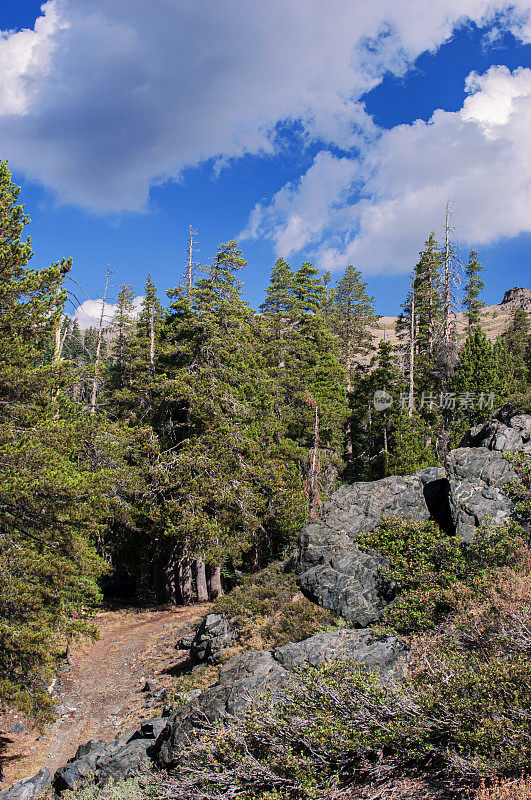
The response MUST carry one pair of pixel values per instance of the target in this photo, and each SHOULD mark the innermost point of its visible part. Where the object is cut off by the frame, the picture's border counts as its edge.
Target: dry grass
(505, 790)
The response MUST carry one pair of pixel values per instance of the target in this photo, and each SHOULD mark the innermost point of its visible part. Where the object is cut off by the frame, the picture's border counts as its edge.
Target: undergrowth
(269, 610)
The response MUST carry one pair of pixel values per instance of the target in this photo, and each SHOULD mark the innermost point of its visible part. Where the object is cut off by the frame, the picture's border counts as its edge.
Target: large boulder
(249, 675)
(477, 478)
(28, 788)
(98, 762)
(213, 635)
(333, 571)
(506, 432)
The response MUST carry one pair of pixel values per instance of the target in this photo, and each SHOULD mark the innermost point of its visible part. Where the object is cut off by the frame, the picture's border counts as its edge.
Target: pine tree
(472, 302)
(280, 299)
(61, 475)
(308, 289)
(213, 411)
(516, 341)
(123, 324)
(354, 318)
(428, 298)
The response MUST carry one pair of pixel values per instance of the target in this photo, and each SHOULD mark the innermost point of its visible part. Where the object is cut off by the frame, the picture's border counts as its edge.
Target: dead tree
(98, 347)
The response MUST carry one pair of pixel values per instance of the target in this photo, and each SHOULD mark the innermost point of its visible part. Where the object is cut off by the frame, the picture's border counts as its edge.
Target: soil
(99, 695)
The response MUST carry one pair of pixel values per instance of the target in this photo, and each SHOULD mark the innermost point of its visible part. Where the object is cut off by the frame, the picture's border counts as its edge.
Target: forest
(171, 451)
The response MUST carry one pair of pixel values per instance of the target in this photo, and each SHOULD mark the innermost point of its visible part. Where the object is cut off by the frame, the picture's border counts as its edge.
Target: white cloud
(105, 99)
(479, 157)
(88, 313)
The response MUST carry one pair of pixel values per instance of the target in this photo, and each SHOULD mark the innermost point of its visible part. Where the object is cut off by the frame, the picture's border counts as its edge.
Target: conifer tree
(308, 289)
(472, 302)
(60, 477)
(122, 323)
(214, 414)
(280, 299)
(516, 342)
(354, 318)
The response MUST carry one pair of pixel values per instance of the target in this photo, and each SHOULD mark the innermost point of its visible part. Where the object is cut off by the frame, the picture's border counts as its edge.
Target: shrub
(270, 611)
(435, 574)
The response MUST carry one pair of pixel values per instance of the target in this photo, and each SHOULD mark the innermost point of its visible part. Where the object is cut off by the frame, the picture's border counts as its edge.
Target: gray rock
(214, 634)
(517, 297)
(98, 762)
(149, 686)
(75, 772)
(477, 477)
(185, 642)
(248, 675)
(334, 572)
(122, 762)
(19, 727)
(506, 432)
(28, 787)
(381, 653)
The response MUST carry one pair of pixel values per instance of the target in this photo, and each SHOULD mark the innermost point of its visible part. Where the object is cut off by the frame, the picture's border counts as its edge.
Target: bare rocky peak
(517, 297)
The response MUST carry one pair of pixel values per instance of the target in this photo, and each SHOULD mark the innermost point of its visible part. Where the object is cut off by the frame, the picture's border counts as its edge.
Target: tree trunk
(98, 349)
(184, 581)
(164, 576)
(214, 582)
(447, 299)
(200, 580)
(411, 399)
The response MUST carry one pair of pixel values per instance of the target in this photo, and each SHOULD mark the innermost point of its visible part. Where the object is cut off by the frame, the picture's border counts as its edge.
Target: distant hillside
(495, 319)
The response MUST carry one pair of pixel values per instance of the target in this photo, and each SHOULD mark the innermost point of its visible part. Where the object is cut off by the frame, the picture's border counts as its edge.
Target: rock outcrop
(99, 762)
(27, 788)
(467, 493)
(248, 675)
(213, 635)
(506, 432)
(477, 477)
(334, 572)
(517, 297)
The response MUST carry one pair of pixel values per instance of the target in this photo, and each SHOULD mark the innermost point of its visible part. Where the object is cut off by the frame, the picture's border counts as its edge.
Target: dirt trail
(100, 694)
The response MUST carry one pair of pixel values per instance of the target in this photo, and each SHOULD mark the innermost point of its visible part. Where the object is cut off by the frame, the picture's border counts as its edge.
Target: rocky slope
(495, 319)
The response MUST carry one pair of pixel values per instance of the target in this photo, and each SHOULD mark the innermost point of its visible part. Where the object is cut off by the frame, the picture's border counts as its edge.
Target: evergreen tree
(280, 299)
(354, 318)
(472, 302)
(308, 289)
(516, 340)
(122, 324)
(214, 410)
(428, 298)
(483, 380)
(60, 477)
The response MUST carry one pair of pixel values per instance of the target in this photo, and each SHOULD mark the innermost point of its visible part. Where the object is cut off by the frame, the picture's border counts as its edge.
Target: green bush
(463, 719)
(435, 573)
(269, 609)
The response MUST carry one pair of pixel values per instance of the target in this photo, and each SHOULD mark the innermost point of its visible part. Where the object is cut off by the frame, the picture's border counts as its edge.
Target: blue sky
(335, 134)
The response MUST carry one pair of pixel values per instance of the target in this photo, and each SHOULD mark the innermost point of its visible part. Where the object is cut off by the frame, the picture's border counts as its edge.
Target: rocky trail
(100, 694)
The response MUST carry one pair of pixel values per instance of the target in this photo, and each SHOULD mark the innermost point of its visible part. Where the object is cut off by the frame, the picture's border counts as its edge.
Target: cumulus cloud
(103, 100)
(479, 158)
(88, 313)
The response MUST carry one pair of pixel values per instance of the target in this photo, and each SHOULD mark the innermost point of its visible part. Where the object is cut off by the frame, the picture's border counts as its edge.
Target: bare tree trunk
(189, 275)
(447, 298)
(214, 582)
(411, 399)
(98, 348)
(184, 581)
(152, 344)
(199, 568)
